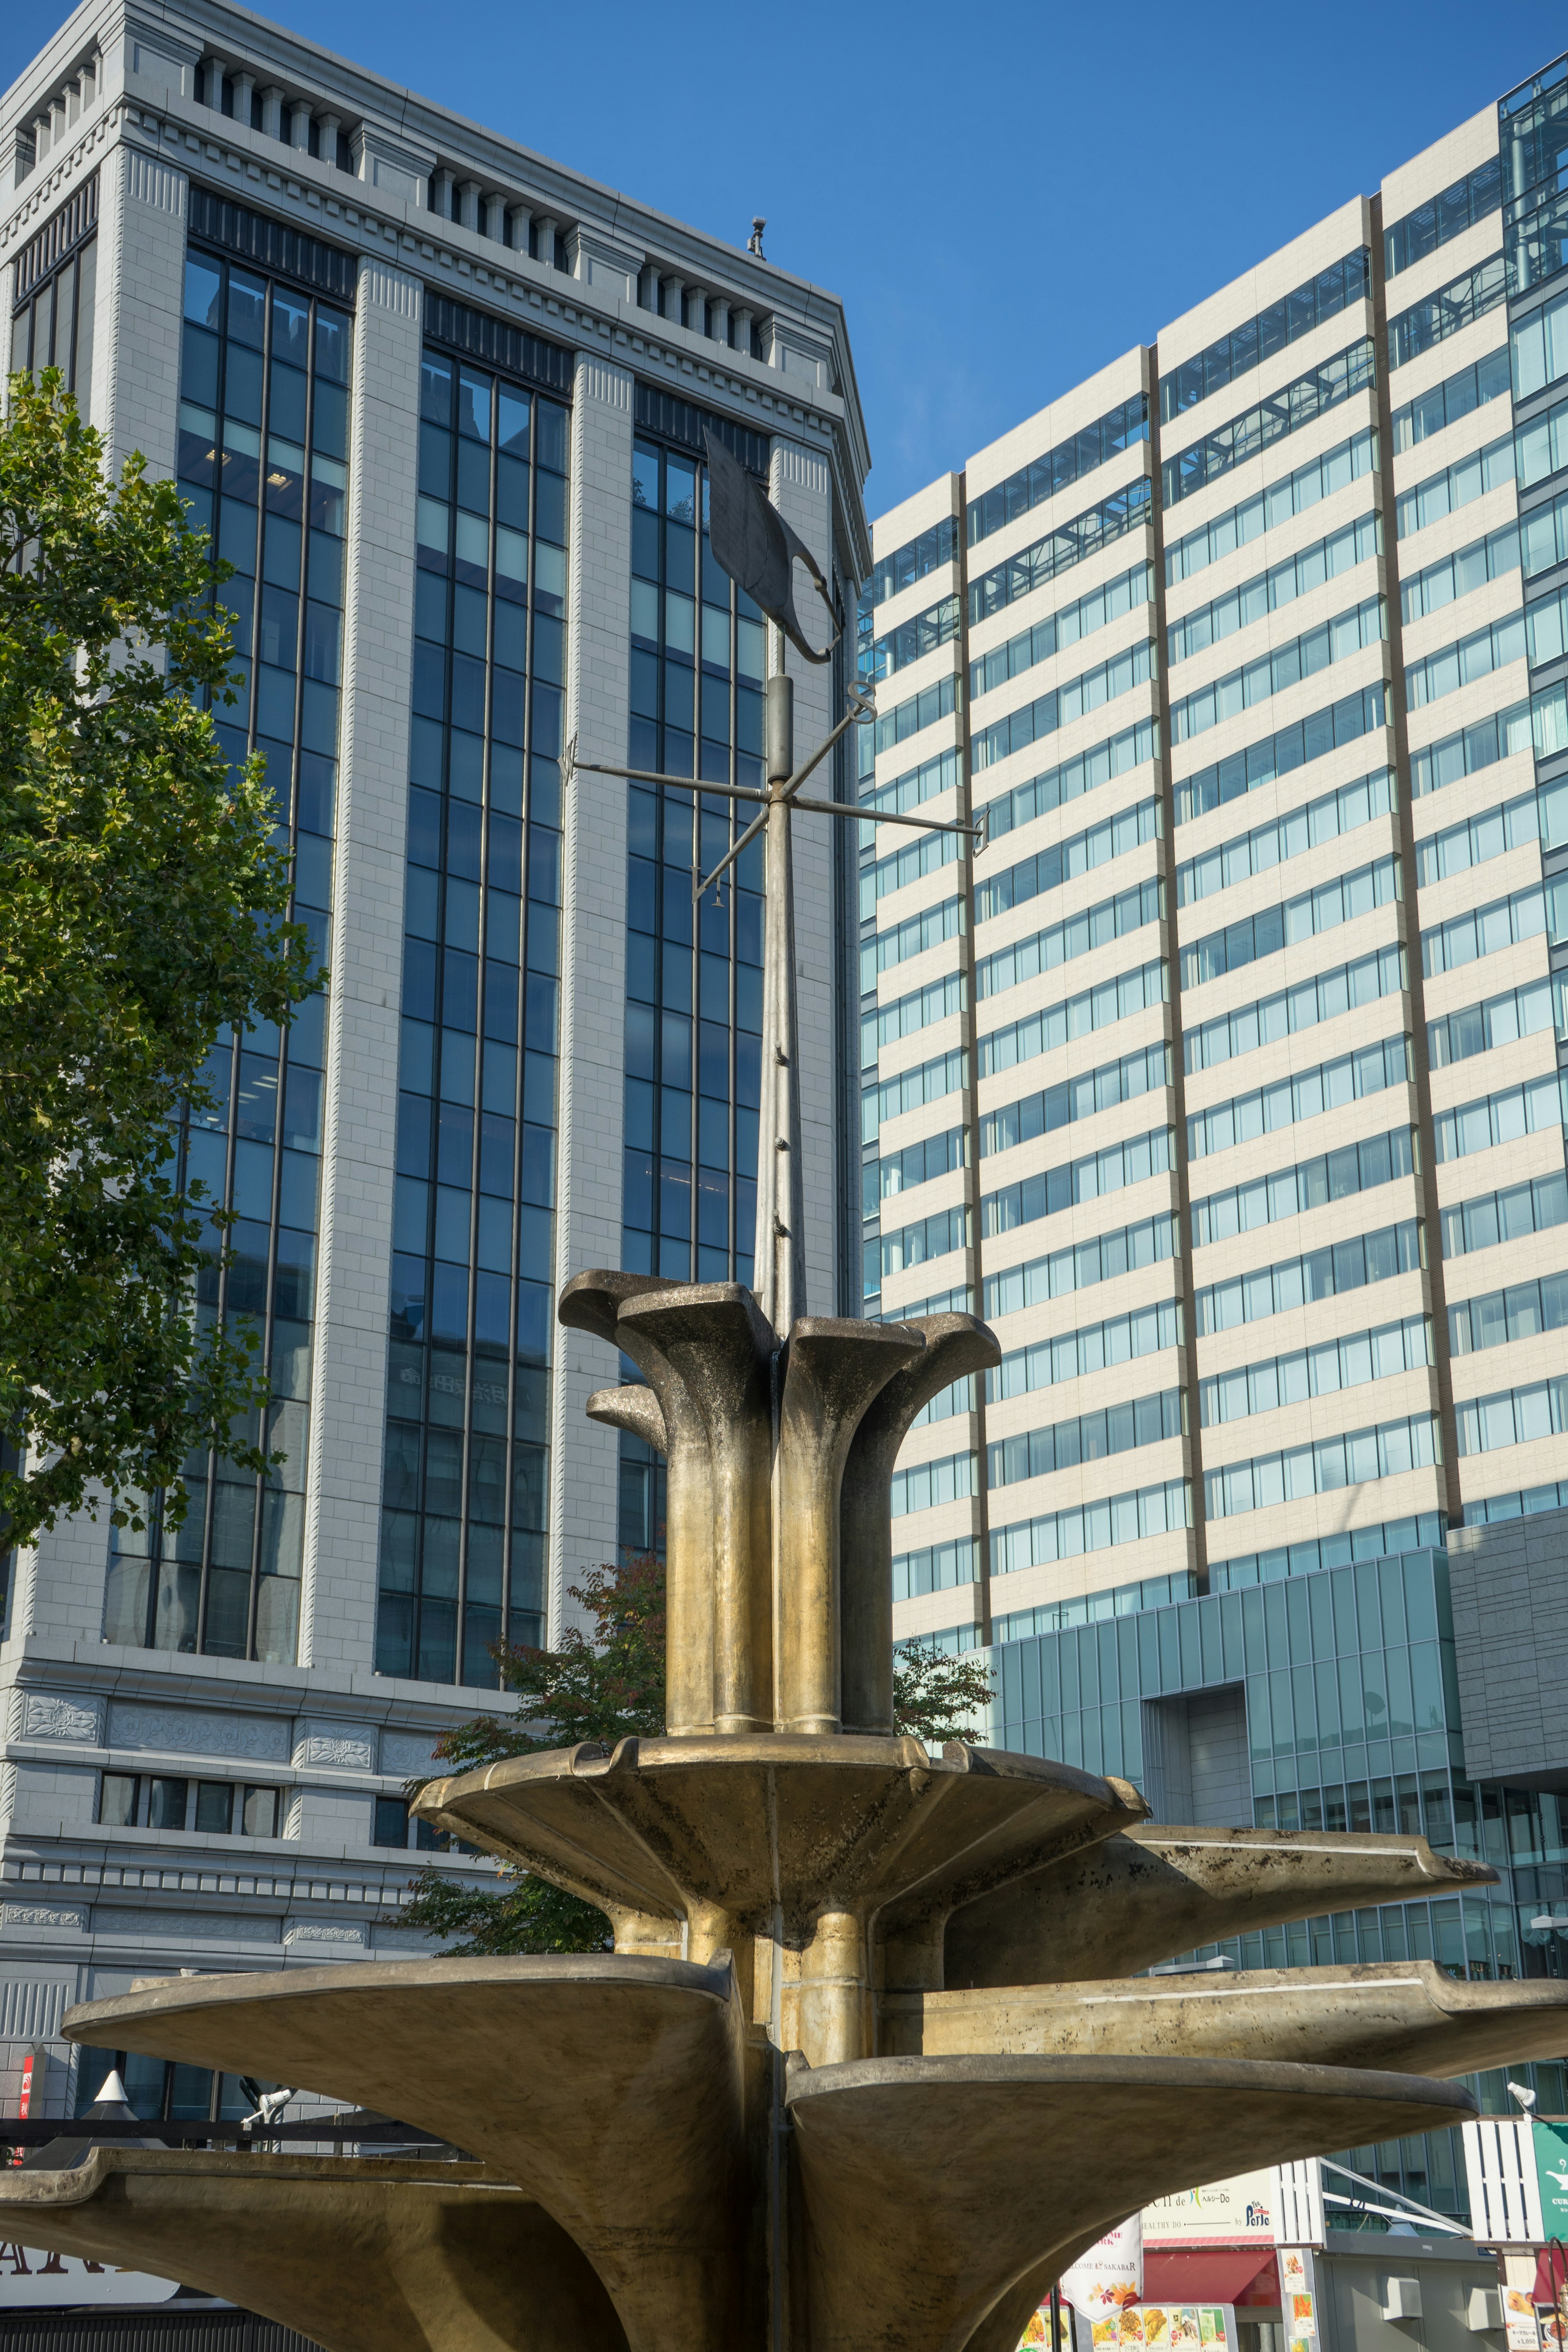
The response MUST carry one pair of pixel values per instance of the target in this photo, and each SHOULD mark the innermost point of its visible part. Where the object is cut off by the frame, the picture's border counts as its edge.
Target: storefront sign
(1298, 2294)
(1231, 2213)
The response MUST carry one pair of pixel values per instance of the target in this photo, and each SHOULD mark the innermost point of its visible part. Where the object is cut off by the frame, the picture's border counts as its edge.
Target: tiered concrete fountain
(870, 2062)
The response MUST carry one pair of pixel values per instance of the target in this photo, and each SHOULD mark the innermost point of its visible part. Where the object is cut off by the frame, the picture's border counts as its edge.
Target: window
(694, 979)
(1456, 305)
(1092, 446)
(263, 449)
(164, 2090)
(1440, 218)
(53, 294)
(466, 1469)
(212, 1808)
(393, 1825)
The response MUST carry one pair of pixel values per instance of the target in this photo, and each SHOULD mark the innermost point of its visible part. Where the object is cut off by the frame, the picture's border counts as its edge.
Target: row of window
(1082, 1265)
(1537, 1205)
(1134, 1517)
(1090, 533)
(1063, 861)
(1272, 929)
(1354, 1459)
(1336, 1175)
(1459, 485)
(1323, 997)
(1281, 754)
(1465, 662)
(1296, 575)
(1268, 846)
(1291, 494)
(923, 633)
(1454, 576)
(929, 928)
(1077, 698)
(1306, 1095)
(1459, 395)
(1096, 926)
(1285, 412)
(906, 1016)
(1480, 1029)
(1349, 1363)
(1274, 672)
(1082, 453)
(1093, 1348)
(1085, 773)
(1447, 215)
(1540, 724)
(1541, 815)
(151, 1800)
(1535, 1107)
(1354, 1264)
(1453, 307)
(1114, 1168)
(1073, 1016)
(927, 854)
(1068, 626)
(1512, 1416)
(1295, 314)
(1087, 1437)
(1500, 1317)
(1128, 1079)
(1482, 930)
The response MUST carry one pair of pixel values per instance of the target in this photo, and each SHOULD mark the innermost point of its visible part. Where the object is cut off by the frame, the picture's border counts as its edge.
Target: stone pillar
(299, 125)
(441, 199)
(469, 204)
(801, 488)
(212, 85)
(58, 124)
(583, 1503)
(547, 228)
(720, 320)
(40, 136)
(495, 218)
(740, 331)
(519, 220)
(349, 1391)
(672, 301)
(647, 286)
(244, 92)
(272, 113)
(329, 126)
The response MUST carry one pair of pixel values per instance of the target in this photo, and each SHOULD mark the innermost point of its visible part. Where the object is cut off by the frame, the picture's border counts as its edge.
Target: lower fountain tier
(627, 2099)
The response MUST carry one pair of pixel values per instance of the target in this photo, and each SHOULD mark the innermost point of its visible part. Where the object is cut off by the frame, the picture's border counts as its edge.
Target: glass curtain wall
(465, 1477)
(263, 444)
(694, 974)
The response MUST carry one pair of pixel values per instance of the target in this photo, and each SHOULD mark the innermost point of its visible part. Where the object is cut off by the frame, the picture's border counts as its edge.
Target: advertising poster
(1039, 2331)
(1518, 2318)
(1298, 2289)
(1159, 2327)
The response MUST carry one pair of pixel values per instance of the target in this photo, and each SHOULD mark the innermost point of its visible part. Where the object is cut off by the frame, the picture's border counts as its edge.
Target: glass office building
(444, 408)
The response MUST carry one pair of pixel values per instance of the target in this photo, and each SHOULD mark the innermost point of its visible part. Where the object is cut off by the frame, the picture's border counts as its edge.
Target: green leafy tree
(140, 903)
(607, 1684)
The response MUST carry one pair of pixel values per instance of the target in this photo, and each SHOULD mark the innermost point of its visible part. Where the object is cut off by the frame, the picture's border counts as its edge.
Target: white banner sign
(1110, 2276)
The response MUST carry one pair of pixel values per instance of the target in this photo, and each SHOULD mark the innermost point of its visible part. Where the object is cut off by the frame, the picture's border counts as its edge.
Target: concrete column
(299, 125)
(721, 329)
(58, 124)
(349, 1393)
(272, 113)
(327, 128)
(495, 218)
(244, 92)
(741, 330)
(442, 203)
(40, 136)
(583, 1510)
(672, 301)
(469, 204)
(211, 85)
(92, 81)
(547, 228)
(647, 286)
(801, 487)
(519, 220)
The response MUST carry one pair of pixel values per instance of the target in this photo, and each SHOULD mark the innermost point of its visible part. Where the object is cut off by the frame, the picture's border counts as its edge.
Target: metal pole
(778, 1274)
(1056, 2316)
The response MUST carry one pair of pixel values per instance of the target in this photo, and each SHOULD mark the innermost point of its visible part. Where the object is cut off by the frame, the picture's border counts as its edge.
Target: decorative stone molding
(197, 1731)
(150, 182)
(156, 1927)
(324, 1931)
(51, 1715)
(337, 1746)
(390, 289)
(407, 1752)
(71, 1916)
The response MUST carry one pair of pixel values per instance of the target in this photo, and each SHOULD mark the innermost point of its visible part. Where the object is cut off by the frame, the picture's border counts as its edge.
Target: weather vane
(751, 542)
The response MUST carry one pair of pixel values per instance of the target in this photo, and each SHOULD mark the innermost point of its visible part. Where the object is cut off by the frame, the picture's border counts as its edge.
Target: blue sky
(1006, 196)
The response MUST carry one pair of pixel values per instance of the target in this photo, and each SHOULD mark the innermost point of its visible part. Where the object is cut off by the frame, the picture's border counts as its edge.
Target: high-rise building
(1225, 1080)
(442, 404)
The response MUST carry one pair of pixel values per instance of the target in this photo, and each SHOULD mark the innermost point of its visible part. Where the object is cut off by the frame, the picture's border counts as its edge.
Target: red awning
(1210, 2274)
(1551, 2276)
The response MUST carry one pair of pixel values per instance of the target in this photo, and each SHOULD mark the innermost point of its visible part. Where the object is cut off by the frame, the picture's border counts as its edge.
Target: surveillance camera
(1526, 2098)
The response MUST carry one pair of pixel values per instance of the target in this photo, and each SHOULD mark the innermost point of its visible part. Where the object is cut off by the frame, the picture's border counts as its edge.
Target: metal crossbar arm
(815, 808)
